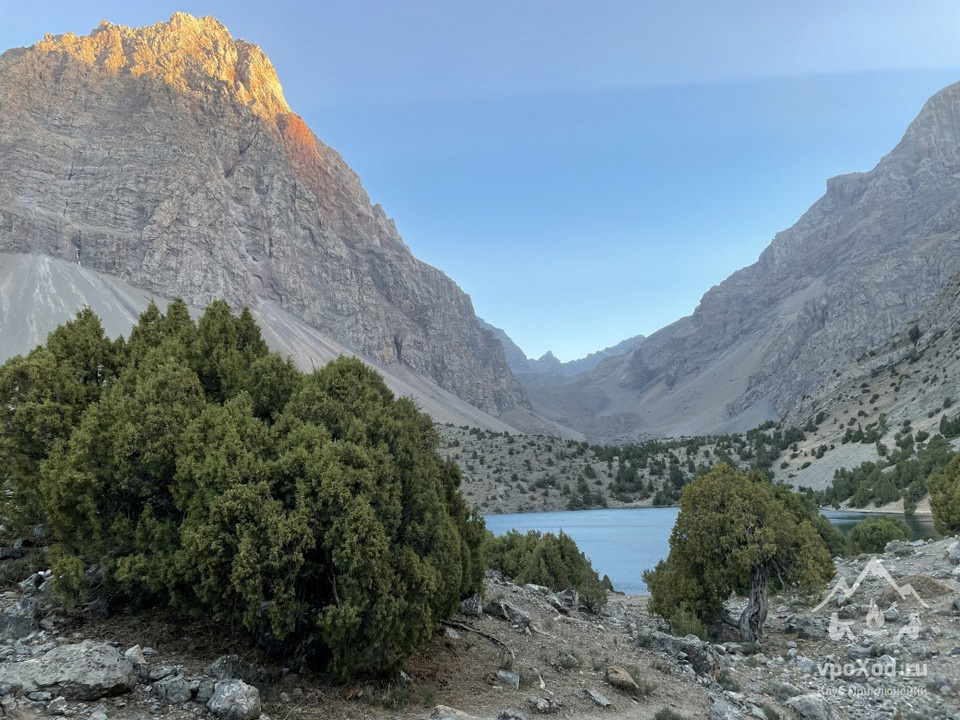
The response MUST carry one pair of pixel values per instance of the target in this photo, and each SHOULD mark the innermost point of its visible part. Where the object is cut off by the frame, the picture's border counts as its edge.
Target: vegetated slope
(506, 473)
(887, 404)
(166, 156)
(863, 260)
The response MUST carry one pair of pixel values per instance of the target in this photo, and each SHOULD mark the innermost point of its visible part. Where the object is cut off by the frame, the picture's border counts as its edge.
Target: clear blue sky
(584, 170)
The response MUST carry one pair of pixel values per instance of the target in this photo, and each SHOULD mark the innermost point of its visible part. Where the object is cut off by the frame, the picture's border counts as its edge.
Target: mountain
(548, 363)
(166, 159)
(864, 259)
(906, 384)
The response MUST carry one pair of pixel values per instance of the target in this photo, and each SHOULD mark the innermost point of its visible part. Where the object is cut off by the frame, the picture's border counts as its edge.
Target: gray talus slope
(864, 259)
(37, 293)
(168, 157)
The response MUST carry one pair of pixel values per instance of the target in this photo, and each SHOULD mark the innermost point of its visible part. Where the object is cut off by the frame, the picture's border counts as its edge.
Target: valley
(283, 422)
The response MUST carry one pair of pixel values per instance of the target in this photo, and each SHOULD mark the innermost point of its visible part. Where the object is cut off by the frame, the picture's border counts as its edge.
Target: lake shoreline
(885, 510)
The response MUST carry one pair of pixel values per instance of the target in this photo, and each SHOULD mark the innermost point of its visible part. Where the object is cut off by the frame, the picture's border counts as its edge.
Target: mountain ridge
(167, 156)
(866, 257)
(548, 363)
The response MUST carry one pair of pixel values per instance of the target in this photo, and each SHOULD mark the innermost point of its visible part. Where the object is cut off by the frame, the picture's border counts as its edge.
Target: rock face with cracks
(168, 157)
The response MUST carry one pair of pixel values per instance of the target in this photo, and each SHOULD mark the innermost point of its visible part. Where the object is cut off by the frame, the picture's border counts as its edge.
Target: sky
(584, 170)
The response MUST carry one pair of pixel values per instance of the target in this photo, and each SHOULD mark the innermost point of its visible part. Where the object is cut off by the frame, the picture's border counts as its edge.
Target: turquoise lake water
(623, 543)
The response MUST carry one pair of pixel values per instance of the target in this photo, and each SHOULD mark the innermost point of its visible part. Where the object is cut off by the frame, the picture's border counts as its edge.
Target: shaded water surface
(623, 543)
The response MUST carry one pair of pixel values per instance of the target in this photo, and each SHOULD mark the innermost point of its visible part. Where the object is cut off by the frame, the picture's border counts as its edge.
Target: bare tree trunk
(755, 614)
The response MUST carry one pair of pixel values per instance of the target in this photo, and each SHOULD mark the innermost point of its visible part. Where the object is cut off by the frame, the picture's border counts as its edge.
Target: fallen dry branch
(468, 628)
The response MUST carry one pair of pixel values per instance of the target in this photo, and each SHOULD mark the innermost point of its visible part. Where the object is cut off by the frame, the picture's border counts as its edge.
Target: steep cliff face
(862, 261)
(168, 157)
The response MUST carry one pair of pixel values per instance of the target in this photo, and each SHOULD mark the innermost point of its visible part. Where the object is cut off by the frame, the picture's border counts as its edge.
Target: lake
(623, 543)
(620, 543)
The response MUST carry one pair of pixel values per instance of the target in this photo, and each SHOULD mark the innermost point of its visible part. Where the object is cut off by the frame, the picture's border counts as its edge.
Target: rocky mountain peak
(192, 55)
(166, 156)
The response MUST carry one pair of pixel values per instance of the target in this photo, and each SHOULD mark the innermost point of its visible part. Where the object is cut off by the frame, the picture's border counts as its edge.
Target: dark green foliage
(545, 559)
(944, 486)
(733, 532)
(42, 396)
(900, 475)
(914, 334)
(683, 622)
(949, 428)
(873, 533)
(193, 468)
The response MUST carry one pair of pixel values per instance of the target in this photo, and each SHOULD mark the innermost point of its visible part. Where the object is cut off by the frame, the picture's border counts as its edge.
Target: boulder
(785, 689)
(233, 667)
(442, 712)
(472, 606)
(596, 697)
(509, 678)
(57, 706)
(569, 599)
(811, 706)
(540, 704)
(509, 612)
(173, 689)
(25, 607)
(615, 611)
(722, 709)
(511, 714)
(85, 671)
(15, 628)
(701, 656)
(622, 680)
(234, 700)
(953, 552)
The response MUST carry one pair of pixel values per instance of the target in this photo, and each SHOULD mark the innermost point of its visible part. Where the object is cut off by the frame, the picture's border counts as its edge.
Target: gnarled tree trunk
(755, 614)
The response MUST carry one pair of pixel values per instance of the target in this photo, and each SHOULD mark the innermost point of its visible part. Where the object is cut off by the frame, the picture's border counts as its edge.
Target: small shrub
(727, 682)
(770, 713)
(668, 714)
(683, 623)
(872, 534)
(545, 559)
(750, 648)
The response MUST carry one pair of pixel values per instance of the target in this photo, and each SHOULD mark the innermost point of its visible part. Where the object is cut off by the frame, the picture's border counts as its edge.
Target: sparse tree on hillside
(736, 535)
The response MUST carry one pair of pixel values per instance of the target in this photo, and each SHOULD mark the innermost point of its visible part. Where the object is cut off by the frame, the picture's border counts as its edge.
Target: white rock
(234, 700)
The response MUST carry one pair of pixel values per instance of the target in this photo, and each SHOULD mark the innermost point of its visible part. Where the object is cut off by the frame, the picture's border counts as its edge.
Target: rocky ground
(889, 647)
(507, 473)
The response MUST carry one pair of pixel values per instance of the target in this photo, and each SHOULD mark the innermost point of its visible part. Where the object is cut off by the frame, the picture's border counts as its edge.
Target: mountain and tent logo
(840, 630)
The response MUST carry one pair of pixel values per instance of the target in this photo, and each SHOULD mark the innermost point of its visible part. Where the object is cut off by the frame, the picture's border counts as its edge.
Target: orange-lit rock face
(193, 55)
(167, 156)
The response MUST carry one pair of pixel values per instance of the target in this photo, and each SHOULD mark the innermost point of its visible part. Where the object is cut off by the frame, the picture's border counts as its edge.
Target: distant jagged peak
(192, 55)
